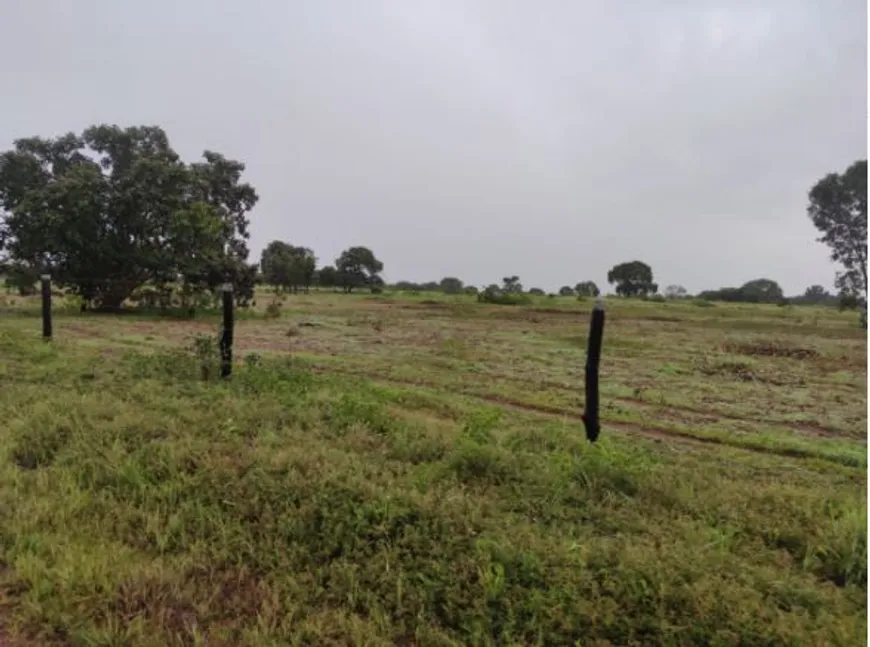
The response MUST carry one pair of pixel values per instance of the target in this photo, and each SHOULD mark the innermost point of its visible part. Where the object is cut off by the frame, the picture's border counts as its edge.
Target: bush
(273, 310)
(497, 297)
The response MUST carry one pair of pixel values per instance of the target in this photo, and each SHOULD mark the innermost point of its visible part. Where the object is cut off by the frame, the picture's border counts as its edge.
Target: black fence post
(593, 357)
(46, 306)
(226, 341)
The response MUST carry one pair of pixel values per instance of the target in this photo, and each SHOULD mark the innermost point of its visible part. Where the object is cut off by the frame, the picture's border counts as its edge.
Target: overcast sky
(479, 138)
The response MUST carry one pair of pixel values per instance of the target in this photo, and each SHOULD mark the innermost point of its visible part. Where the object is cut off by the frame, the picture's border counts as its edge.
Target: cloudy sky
(480, 138)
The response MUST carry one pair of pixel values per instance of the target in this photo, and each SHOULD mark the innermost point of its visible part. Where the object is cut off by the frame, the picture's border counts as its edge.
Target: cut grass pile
(297, 505)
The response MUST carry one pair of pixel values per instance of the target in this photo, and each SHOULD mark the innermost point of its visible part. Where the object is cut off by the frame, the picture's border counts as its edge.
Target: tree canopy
(838, 209)
(111, 209)
(358, 267)
(632, 279)
(755, 291)
(587, 289)
(287, 267)
(451, 285)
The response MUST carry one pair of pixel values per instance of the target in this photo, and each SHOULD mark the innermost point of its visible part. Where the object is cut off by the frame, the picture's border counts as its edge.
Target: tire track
(648, 430)
(806, 429)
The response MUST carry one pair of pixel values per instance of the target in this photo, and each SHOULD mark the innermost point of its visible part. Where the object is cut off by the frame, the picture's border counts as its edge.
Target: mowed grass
(412, 471)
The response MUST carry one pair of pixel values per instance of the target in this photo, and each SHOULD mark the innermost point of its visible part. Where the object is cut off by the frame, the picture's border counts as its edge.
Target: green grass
(414, 473)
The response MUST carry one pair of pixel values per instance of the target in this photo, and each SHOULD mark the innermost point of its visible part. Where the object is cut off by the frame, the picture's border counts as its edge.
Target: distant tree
(471, 289)
(276, 264)
(498, 295)
(761, 291)
(511, 285)
(838, 209)
(816, 295)
(287, 267)
(675, 292)
(566, 291)
(451, 285)
(112, 209)
(327, 277)
(587, 289)
(538, 292)
(357, 267)
(303, 267)
(632, 279)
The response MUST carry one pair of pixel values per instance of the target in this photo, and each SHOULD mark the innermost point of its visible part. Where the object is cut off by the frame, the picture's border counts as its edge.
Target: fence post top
(227, 287)
(45, 277)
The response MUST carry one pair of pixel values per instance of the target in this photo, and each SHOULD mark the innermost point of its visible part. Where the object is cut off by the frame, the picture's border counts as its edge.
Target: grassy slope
(415, 474)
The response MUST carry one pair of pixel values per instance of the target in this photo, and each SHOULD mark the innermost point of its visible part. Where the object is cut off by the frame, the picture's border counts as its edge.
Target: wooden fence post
(593, 357)
(226, 340)
(46, 306)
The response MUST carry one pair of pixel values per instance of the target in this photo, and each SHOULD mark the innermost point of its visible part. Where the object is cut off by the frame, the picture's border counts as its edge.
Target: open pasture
(393, 469)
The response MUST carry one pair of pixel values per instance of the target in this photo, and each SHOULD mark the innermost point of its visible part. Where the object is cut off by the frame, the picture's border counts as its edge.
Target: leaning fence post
(226, 341)
(593, 357)
(46, 306)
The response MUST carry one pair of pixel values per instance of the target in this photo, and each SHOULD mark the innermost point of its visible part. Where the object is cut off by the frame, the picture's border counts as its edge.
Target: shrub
(496, 296)
(273, 310)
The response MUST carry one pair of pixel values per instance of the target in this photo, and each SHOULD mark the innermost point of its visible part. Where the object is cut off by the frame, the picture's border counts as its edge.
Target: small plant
(253, 360)
(205, 349)
(273, 310)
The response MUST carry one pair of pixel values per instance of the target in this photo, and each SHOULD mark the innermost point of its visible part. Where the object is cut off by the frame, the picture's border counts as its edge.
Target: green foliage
(451, 285)
(632, 279)
(511, 285)
(357, 267)
(537, 292)
(755, 291)
(587, 289)
(838, 209)
(327, 277)
(22, 277)
(287, 267)
(815, 295)
(566, 291)
(496, 295)
(762, 291)
(112, 209)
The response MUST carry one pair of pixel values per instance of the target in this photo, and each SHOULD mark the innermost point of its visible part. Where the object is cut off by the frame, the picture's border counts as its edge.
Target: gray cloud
(481, 137)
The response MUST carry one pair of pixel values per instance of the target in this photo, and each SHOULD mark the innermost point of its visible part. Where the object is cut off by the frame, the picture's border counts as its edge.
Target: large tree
(287, 267)
(761, 291)
(357, 267)
(451, 285)
(632, 279)
(838, 209)
(111, 209)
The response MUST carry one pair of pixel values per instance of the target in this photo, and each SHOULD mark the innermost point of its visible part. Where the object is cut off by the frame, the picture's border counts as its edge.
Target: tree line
(113, 212)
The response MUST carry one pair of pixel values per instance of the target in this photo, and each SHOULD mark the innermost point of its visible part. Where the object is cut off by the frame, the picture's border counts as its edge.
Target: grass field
(398, 470)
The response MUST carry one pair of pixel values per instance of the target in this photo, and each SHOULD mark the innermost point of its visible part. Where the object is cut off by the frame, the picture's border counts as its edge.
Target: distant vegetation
(114, 215)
